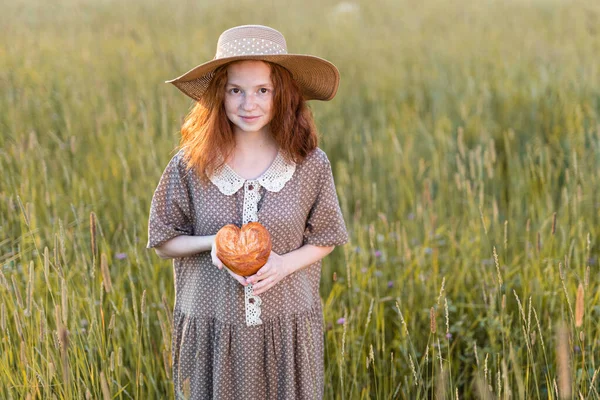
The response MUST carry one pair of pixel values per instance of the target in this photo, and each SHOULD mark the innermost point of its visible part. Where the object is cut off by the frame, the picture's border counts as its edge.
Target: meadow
(465, 144)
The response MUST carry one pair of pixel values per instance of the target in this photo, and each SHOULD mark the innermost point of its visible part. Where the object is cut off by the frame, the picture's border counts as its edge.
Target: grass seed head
(563, 361)
(579, 307)
(107, 283)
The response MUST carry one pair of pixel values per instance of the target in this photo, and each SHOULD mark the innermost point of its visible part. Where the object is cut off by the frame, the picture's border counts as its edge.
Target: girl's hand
(219, 264)
(269, 275)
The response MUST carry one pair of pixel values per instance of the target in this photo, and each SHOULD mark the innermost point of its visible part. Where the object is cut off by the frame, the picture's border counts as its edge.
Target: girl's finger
(262, 284)
(263, 289)
(238, 278)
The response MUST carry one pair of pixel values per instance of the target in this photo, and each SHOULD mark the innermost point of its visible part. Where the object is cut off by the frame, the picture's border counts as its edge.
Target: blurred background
(465, 143)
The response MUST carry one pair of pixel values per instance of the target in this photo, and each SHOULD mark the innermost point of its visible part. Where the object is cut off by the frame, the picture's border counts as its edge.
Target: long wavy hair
(207, 136)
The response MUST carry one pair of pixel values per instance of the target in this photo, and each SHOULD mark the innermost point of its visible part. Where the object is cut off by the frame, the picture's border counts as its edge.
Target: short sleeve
(170, 210)
(325, 224)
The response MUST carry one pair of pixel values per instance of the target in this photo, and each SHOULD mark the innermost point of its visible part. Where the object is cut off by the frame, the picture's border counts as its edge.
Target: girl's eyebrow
(260, 85)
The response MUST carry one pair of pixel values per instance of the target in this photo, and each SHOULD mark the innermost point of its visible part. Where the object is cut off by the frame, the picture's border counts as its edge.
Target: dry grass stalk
(579, 307)
(402, 318)
(483, 221)
(186, 388)
(414, 370)
(554, 223)
(485, 369)
(93, 233)
(57, 317)
(516, 368)
(29, 290)
(64, 300)
(168, 311)
(163, 328)
(563, 361)
(111, 323)
(167, 363)
(63, 335)
(51, 371)
(17, 292)
(483, 390)
(104, 386)
(505, 235)
(440, 390)
(441, 290)
(23, 354)
(500, 282)
(106, 282)
(143, 303)
(370, 312)
(587, 277)
(447, 315)
(432, 324)
(439, 355)
(18, 324)
(592, 383)
(42, 326)
(47, 265)
(344, 330)
(3, 317)
(476, 355)
(3, 281)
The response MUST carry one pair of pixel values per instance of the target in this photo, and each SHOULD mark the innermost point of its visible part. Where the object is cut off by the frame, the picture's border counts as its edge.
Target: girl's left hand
(269, 275)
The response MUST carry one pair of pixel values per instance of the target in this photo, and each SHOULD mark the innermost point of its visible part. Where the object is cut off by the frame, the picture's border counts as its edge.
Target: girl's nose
(248, 102)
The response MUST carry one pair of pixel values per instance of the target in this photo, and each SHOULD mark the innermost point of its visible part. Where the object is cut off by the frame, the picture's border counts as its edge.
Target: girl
(249, 153)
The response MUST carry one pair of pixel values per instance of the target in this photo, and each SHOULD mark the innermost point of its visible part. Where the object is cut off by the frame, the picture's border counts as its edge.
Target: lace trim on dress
(273, 179)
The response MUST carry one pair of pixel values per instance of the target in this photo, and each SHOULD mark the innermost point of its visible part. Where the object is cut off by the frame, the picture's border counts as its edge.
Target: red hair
(207, 136)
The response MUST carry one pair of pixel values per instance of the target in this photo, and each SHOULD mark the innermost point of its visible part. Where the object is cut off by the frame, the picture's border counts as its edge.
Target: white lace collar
(273, 179)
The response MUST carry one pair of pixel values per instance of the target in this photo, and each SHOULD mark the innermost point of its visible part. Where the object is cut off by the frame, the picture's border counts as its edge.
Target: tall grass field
(465, 145)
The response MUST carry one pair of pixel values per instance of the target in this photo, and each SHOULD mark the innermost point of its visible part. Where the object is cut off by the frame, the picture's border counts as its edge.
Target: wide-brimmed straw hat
(317, 78)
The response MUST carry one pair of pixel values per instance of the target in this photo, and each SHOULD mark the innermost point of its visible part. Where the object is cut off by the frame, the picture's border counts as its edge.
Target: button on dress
(219, 349)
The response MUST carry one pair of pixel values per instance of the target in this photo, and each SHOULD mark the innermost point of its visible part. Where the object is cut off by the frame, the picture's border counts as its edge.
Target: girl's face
(249, 96)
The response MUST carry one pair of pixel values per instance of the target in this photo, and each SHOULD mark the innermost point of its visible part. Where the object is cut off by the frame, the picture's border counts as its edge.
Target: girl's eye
(234, 90)
(264, 90)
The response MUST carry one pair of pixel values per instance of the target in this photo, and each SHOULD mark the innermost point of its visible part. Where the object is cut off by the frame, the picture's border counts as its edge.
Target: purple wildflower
(390, 284)
(378, 253)
(341, 321)
(448, 336)
(121, 256)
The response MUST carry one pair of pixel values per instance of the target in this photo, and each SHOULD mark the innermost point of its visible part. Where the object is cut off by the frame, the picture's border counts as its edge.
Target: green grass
(460, 130)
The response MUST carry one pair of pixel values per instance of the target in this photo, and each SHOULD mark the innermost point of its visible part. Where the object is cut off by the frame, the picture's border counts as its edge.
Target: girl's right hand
(219, 264)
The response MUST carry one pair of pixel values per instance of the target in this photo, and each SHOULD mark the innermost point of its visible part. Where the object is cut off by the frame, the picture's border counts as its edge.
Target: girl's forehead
(249, 72)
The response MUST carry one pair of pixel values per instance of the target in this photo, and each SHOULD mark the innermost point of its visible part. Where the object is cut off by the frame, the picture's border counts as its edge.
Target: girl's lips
(249, 118)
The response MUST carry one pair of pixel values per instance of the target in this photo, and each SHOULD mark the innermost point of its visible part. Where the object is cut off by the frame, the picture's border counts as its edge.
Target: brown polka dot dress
(218, 351)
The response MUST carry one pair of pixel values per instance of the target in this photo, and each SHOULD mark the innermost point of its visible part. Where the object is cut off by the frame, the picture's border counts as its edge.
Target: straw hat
(317, 78)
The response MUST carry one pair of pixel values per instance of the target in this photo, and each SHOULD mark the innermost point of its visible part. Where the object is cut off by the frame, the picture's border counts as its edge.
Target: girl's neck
(248, 143)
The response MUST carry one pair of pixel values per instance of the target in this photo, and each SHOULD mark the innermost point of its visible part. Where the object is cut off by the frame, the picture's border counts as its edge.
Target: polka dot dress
(215, 353)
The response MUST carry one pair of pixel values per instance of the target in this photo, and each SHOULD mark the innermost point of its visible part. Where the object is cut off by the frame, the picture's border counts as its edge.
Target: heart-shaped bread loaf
(244, 251)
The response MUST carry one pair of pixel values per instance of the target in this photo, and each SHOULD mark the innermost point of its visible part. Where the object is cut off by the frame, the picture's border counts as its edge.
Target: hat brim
(317, 78)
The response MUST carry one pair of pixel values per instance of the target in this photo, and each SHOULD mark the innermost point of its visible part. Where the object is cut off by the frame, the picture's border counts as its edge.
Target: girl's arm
(278, 267)
(185, 246)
